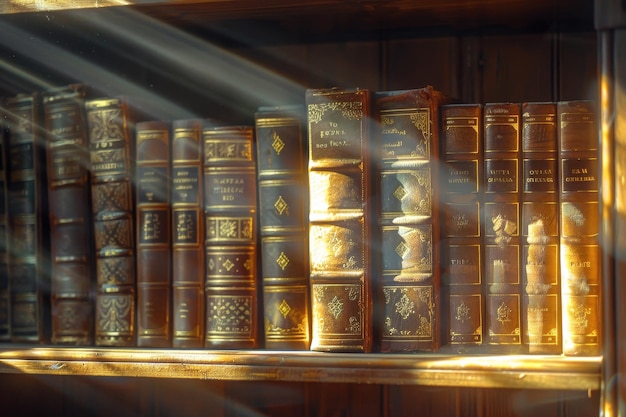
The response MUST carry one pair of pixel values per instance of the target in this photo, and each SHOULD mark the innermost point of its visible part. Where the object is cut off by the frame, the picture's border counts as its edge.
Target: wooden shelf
(517, 371)
(337, 16)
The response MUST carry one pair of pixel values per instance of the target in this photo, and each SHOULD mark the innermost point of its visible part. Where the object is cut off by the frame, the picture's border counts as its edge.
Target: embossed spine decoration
(230, 207)
(5, 317)
(153, 234)
(579, 211)
(409, 218)
(501, 227)
(540, 229)
(187, 235)
(29, 279)
(461, 242)
(110, 143)
(72, 272)
(283, 209)
(340, 219)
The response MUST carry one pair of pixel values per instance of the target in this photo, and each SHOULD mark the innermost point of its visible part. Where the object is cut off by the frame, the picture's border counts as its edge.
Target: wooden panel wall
(55, 396)
(171, 74)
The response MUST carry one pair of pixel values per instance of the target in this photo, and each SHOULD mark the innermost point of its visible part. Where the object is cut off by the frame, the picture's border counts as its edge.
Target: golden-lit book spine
(29, 279)
(340, 218)
(502, 226)
(409, 217)
(541, 309)
(111, 141)
(283, 209)
(153, 214)
(579, 215)
(71, 258)
(230, 208)
(5, 318)
(461, 241)
(187, 235)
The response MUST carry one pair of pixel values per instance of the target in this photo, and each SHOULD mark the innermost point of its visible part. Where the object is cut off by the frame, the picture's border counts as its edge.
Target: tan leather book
(340, 216)
(283, 212)
(187, 234)
(154, 243)
(72, 271)
(111, 141)
(28, 272)
(409, 128)
(502, 226)
(462, 207)
(231, 241)
(579, 215)
(541, 310)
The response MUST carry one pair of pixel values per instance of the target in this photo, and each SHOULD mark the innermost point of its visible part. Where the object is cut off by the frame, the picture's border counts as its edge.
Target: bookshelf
(182, 58)
(514, 371)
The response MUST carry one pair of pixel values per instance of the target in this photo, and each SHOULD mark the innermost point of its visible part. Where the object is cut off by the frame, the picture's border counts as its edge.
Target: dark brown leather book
(5, 321)
(72, 271)
(340, 216)
(409, 127)
(502, 226)
(187, 235)
(29, 279)
(111, 141)
(230, 206)
(283, 210)
(153, 214)
(541, 309)
(461, 242)
(579, 214)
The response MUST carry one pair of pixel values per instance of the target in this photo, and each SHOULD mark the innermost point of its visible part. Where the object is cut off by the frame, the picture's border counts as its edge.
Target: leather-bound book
(461, 241)
(502, 226)
(153, 214)
(540, 229)
(69, 205)
(5, 320)
(29, 279)
(409, 127)
(340, 216)
(187, 235)
(111, 141)
(230, 208)
(283, 210)
(579, 215)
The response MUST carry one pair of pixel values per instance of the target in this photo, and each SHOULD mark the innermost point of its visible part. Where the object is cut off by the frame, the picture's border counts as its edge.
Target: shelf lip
(486, 371)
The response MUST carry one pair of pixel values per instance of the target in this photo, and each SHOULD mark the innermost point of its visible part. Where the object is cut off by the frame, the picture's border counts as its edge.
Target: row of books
(353, 221)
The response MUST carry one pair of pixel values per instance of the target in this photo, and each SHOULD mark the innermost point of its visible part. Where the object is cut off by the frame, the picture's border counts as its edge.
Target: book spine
(579, 211)
(110, 144)
(501, 222)
(28, 265)
(153, 214)
(187, 235)
(5, 310)
(69, 209)
(462, 196)
(340, 219)
(230, 207)
(283, 209)
(541, 309)
(409, 218)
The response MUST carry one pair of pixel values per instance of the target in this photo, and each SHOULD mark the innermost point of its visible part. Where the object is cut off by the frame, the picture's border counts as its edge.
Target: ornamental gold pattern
(230, 215)
(409, 199)
(283, 185)
(580, 261)
(109, 127)
(502, 229)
